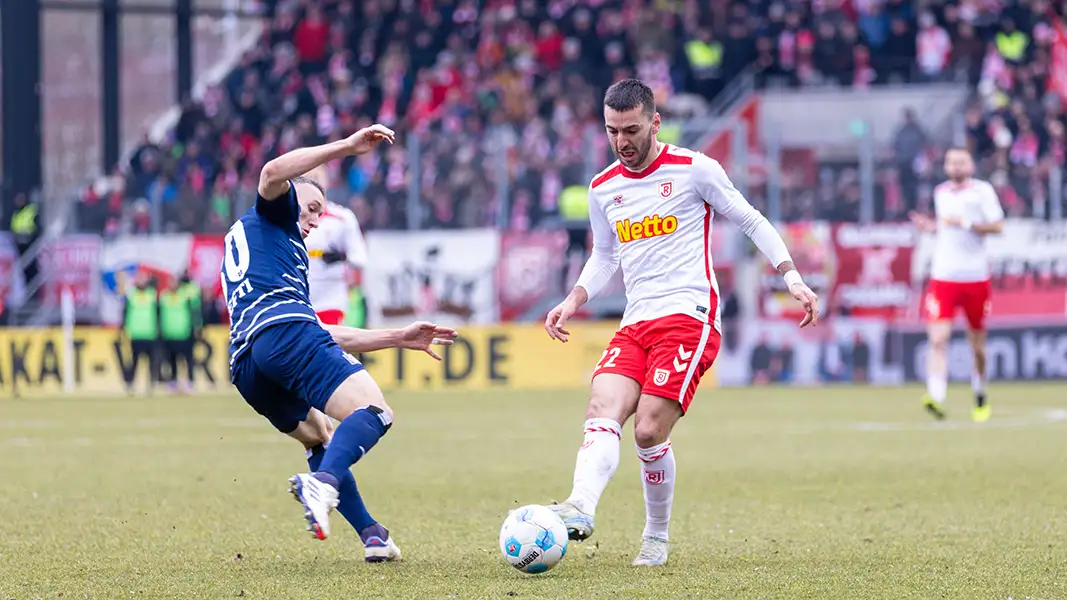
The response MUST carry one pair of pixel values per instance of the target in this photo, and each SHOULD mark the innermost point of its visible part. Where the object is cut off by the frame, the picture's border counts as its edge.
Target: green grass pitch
(847, 492)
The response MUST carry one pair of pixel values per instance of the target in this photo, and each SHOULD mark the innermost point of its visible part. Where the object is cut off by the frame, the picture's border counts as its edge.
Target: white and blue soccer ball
(533, 539)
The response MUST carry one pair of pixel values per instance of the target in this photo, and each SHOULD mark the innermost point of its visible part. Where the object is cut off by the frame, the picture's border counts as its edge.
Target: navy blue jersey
(265, 270)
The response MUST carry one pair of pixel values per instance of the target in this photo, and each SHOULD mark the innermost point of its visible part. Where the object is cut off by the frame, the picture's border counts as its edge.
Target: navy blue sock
(350, 504)
(353, 438)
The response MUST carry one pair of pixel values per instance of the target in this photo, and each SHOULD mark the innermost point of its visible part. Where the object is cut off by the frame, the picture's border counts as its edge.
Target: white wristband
(966, 223)
(792, 277)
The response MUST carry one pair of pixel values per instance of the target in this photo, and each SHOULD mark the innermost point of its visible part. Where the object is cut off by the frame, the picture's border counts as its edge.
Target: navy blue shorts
(291, 368)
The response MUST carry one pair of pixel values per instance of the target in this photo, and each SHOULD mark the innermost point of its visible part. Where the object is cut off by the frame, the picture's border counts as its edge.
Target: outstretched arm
(417, 336)
(604, 258)
(717, 190)
(602, 264)
(275, 176)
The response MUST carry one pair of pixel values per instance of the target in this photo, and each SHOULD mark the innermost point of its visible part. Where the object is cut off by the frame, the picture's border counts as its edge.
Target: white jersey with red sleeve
(338, 231)
(656, 225)
(959, 252)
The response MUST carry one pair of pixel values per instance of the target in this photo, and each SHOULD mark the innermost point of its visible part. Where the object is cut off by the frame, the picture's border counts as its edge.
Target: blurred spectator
(24, 223)
(908, 143)
(933, 46)
(502, 100)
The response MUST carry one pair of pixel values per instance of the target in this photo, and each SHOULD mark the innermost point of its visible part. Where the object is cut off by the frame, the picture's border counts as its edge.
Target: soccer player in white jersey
(651, 215)
(338, 252)
(967, 210)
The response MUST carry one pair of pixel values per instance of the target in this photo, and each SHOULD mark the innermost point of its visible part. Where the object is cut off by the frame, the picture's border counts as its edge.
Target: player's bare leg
(982, 410)
(653, 423)
(612, 400)
(938, 334)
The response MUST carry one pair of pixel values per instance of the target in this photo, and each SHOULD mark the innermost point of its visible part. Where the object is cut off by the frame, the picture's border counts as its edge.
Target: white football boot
(318, 499)
(386, 551)
(653, 553)
(378, 545)
(579, 524)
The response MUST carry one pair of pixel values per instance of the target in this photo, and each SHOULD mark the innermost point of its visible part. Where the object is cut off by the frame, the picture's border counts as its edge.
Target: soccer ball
(533, 539)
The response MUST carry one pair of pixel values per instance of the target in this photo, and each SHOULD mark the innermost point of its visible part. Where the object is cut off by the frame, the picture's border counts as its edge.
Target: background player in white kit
(651, 215)
(338, 254)
(966, 211)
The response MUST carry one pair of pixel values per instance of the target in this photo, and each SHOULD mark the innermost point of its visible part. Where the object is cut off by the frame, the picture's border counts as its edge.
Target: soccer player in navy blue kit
(287, 365)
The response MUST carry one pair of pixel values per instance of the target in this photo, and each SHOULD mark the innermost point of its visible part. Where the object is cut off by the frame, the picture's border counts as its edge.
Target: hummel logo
(679, 365)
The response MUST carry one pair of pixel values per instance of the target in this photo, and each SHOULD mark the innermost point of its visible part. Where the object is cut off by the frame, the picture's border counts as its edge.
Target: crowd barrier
(506, 357)
(33, 362)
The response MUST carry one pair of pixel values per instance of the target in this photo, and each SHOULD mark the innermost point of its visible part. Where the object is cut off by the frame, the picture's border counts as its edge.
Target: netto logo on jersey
(646, 228)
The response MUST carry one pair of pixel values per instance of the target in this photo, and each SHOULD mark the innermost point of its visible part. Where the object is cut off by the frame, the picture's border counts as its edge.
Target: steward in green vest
(180, 321)
(574, 211)
(25, 228)
(1012, 43)
(24, 224)
(705, 64)
(140, 323)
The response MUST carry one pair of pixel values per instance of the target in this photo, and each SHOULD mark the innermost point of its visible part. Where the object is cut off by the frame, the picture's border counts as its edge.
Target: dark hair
(628, 94)
(309, 181)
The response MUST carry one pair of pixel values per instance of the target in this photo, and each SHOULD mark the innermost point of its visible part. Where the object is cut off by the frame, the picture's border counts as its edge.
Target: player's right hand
(557, 318)
(922, 222)
(807, 298)
(368, 138)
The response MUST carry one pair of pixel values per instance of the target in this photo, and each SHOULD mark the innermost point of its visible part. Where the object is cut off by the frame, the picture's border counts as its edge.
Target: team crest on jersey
(661, 376)
(666, 188)
(617, 199)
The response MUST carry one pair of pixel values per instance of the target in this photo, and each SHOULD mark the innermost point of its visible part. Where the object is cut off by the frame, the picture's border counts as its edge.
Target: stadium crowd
(511, 88)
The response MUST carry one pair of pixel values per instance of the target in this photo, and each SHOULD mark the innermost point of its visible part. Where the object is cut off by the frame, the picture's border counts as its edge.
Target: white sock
(977, 382)
(937, 387)
(657, 476)
(597, 460)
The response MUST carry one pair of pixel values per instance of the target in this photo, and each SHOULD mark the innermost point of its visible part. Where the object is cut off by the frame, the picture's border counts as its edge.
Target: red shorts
(331, 317)
(944, 297)
(667, 356)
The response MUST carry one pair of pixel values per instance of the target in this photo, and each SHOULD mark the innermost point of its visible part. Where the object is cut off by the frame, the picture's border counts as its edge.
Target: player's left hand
(922, 222)
(952, 221)
(333, 256)
(368, 138)
(422, 335)
(808, 300)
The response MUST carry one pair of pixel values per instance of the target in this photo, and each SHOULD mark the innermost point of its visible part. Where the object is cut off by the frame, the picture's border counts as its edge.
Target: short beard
(642, 151)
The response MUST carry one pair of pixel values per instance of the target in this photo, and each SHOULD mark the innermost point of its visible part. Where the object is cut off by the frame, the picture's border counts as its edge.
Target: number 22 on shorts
(610, 354)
